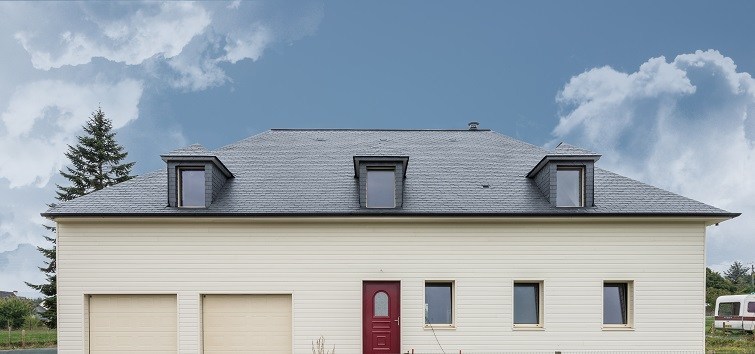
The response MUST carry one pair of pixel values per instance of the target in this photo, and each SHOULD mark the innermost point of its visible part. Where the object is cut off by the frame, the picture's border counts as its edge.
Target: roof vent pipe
(473, 125)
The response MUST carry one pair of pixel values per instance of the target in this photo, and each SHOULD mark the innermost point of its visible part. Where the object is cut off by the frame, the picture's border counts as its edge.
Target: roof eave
(712, 218)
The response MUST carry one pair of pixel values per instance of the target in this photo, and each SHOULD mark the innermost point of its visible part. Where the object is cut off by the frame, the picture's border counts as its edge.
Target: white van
(735, 312)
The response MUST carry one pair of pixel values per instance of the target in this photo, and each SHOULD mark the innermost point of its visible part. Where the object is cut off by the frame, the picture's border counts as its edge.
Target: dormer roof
(564, 152)
(196, 153)
(565, 149)
(403, 160)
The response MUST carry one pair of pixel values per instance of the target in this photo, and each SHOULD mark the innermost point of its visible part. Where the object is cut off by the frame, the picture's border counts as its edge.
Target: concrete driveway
(30, 351)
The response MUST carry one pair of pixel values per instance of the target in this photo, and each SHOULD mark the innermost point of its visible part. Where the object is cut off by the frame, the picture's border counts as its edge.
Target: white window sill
(528, 328)
(618, 328)
(440, 326)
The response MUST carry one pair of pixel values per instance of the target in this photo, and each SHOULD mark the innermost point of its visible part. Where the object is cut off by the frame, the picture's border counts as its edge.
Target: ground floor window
(617, 303)
(528, 304)
(439, 303)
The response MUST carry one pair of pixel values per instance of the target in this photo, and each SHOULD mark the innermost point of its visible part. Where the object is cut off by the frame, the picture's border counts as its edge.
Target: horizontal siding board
(323, 265)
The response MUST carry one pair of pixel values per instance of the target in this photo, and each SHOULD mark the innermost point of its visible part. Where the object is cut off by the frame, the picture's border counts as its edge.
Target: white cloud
(143, 34)
(686, 125)
(192, 40)
(112, 53)
(42, 117)
(19, 265)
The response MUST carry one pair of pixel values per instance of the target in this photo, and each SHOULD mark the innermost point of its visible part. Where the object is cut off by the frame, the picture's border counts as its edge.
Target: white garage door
(246, 324)
(132, 324)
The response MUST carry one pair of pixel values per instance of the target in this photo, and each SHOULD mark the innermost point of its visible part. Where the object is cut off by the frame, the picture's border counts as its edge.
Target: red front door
(381, 317)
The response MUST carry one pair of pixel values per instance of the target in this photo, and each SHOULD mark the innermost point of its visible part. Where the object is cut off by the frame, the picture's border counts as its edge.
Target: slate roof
(191, 150)
(566, 149)
(310, 172)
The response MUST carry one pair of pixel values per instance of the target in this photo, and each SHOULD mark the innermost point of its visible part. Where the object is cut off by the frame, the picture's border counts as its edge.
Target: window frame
(367, 184)
(540, 305)
(434, 326)
(582, 194)
(630, 306)
(179, 186)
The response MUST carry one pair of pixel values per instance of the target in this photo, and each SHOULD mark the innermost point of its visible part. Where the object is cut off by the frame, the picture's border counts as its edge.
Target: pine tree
(96, 163)
(96, 160)
(737, 273)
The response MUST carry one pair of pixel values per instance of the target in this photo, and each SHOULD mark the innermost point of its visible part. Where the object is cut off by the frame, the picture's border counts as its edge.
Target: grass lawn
(720, 341)
(35, 338)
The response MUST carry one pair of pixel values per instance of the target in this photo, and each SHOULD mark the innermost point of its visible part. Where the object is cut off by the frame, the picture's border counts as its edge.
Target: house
(39, 310)
(381, 241)
(4, 294)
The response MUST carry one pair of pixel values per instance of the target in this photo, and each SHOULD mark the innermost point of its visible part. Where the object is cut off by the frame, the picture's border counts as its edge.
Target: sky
(662, 90)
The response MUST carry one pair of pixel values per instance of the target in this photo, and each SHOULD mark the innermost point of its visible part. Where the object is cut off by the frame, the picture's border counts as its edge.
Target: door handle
(398, 321)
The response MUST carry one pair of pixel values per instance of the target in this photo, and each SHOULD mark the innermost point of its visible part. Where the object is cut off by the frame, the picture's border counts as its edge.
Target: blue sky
(661, 89)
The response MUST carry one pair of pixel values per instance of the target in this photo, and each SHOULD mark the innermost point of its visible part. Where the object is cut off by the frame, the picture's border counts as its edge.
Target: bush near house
(13, 311)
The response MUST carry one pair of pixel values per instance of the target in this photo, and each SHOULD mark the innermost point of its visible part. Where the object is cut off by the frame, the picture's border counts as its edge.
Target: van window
(751, 307)
(728, 309)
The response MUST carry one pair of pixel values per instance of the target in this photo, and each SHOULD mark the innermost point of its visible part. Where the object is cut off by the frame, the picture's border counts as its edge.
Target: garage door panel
(132, 324)
(246, 323)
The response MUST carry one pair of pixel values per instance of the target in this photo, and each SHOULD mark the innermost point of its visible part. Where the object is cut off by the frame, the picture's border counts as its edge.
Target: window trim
(629, 326)
(540, 305)
(434, 326)
(367, 183)
(179, 186)
(582, 186)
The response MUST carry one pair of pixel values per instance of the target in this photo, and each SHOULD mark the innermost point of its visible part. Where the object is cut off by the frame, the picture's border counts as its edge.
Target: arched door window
(381, 304)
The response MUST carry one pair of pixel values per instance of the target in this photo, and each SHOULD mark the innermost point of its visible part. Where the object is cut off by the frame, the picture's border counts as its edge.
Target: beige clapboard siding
(323, 264)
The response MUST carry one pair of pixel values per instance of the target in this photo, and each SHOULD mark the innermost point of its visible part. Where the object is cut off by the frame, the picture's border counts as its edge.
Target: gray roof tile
(191, 150)
(566, 149)
(311, 172)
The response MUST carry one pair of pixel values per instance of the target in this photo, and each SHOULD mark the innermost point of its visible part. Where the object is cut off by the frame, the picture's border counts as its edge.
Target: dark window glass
(568, 187)
(438, 305)
(526, 303)
(615, 303)
(381, 188)
(751, 307)
(729, 309)
(192, 188)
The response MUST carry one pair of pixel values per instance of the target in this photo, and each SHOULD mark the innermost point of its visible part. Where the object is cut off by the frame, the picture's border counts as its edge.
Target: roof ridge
(377, 130)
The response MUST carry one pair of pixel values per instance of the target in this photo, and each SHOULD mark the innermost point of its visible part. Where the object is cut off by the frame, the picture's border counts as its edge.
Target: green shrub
(13, 310)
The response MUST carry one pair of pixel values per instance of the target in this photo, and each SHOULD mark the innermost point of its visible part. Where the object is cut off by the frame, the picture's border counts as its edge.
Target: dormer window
(570, 186)
(380, 180)
(381, 187)
(191, 187)
(195, 177)
(566, 177)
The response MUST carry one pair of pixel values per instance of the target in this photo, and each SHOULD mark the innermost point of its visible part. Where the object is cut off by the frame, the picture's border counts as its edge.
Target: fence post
(23, 338)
